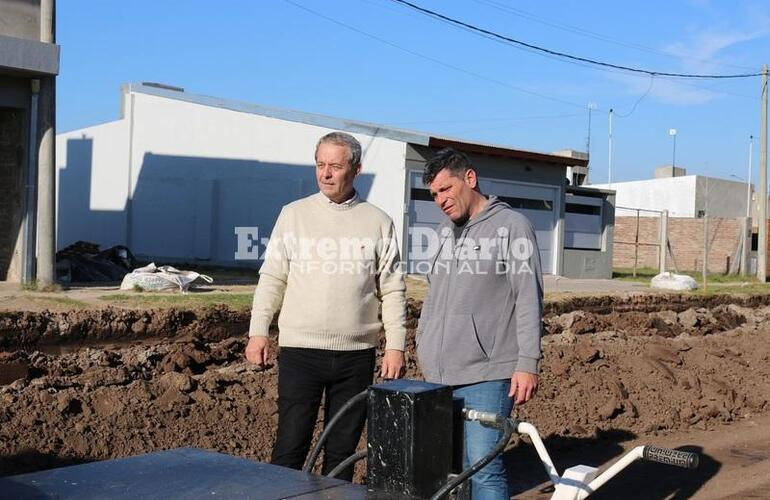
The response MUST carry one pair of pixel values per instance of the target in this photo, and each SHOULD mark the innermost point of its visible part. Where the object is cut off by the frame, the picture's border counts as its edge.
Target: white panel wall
(675, 194)
(682, 196)
(92, 184)
(196, 172)
(721, 197)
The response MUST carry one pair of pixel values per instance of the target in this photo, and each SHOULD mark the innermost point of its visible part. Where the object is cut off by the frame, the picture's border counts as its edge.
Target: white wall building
(178, 173)
(683, 196)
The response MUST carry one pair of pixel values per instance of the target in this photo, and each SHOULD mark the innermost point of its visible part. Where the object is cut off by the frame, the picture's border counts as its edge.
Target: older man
(480, 325)
(331, 263)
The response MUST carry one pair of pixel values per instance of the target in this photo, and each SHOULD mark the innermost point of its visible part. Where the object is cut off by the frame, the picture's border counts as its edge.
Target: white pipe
(531, 431)
(605, 476)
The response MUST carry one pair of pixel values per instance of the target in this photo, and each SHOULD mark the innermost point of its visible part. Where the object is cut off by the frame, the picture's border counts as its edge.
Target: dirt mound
(623, 371)
(30, 329)
(26, 329)
(646, 302)
(665, 323)
(96, 404)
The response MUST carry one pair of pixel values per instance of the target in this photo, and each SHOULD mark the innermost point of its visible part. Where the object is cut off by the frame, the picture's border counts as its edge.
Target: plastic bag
(152, 278)
(671, 281)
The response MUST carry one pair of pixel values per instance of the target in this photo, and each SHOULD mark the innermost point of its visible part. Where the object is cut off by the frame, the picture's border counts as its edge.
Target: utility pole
(748, 180)
(762, 222)
(706, 238)
(705, 251)
(609, 161)
(591, 107)
(46, 147)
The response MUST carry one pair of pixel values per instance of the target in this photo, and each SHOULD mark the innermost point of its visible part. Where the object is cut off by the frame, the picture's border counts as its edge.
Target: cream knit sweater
(328, 268)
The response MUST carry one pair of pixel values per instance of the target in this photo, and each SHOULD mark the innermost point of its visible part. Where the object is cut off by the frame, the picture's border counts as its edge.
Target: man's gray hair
(343, 139)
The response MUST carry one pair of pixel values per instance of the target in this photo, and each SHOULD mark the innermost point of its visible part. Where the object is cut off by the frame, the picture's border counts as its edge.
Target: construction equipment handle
(668, 456)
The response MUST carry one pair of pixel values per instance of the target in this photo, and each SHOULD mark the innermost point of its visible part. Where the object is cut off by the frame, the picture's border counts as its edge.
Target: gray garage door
(538, 203)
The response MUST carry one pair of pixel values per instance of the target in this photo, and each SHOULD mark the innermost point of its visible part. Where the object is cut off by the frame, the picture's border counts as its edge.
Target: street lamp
(672, 133)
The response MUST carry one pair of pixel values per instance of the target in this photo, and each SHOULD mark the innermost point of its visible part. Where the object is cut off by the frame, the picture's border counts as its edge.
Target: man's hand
(257, 350)
(523, 387)
(392, 364)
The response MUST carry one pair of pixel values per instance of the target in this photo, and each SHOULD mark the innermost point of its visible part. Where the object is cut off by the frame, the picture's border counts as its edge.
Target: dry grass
(237, 301)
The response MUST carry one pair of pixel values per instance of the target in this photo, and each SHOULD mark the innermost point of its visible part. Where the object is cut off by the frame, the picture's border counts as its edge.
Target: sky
(380, 61)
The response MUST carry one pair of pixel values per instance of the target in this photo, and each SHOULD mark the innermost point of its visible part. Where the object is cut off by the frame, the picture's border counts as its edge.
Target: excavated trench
(65, 331)
(123, 382)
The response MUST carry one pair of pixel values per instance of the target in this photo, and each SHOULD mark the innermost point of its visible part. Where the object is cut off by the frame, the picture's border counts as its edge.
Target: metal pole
(591, 107)
(673, 160)
(663, 239)
(748, 181)
(706, 237)
(609, 161)
(705, 250)
(636, 242)
(745, 247)
(762, 222)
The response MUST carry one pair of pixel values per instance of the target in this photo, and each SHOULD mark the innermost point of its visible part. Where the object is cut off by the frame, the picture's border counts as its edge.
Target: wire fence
(646, 238)
(637, 213)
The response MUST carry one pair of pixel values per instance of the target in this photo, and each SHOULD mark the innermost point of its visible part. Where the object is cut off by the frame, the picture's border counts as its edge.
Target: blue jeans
(491, 482)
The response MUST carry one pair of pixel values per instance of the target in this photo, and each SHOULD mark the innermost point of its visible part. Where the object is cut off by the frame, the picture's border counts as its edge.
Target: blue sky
(377, 61)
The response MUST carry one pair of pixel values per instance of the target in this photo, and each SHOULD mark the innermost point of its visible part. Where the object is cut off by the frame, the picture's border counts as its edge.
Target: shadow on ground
(33, 461)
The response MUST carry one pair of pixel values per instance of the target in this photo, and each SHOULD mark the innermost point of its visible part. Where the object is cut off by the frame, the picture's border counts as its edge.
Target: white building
(177, 175)
(682, 195)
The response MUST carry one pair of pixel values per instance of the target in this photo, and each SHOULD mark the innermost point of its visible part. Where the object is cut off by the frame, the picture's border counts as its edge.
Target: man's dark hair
(454, 161)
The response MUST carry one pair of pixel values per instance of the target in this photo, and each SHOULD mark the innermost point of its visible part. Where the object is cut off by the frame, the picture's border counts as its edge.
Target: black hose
(473, 469)
(311, 459)
(355, 457)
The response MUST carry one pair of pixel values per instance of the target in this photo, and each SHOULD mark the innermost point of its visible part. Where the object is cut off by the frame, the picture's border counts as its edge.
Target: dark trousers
(304, 376)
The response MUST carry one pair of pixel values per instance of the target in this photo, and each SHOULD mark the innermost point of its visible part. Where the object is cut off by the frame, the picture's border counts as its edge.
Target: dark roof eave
(589, 190)
(563, 161)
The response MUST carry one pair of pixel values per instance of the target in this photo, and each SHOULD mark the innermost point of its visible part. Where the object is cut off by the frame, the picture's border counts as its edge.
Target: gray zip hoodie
(482, 319)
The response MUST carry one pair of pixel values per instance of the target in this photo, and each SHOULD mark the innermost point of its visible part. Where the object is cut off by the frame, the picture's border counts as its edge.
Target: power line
(597, 36)
(436, 61)
(550, 52)
(591, 34)
(633, 108)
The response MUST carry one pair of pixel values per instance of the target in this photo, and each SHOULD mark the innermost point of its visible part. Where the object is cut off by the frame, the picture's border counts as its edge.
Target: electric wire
(633, 108)
(313, 456)
(596, 36)
(488, 33)
(434, 60)
(359, 455)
